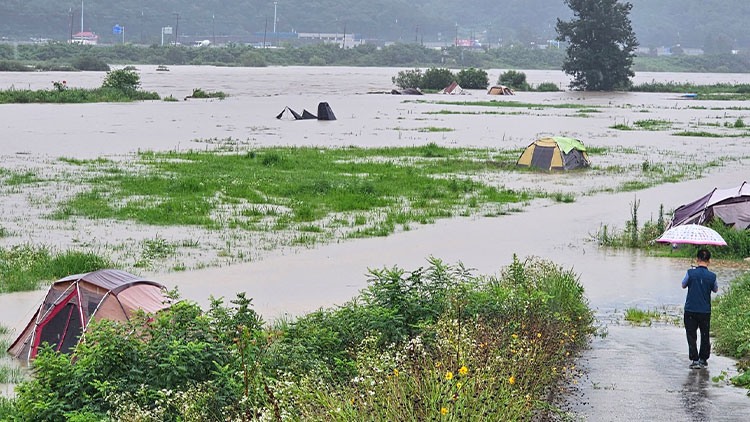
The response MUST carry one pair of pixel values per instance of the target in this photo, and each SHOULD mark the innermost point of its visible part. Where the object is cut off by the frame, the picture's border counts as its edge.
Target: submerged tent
(306, 115)
(732, 206)
(288, 114)
(407, 91)
(557, 153)
(72, 303)
(453, 89)
(501, 90)
(325, 112)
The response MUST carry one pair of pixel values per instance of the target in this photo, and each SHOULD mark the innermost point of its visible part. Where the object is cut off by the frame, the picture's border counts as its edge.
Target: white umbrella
(693, 234)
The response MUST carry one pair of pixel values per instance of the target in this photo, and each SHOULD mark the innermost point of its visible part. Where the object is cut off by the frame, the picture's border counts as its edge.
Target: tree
(515, 80)
(124, 80)
(473, 78)
(602, 44)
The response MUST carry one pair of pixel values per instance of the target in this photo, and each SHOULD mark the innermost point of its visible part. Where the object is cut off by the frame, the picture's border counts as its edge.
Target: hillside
(692, 23)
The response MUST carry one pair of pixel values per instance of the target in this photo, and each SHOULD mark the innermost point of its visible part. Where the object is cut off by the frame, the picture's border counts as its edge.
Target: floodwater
(300, 280)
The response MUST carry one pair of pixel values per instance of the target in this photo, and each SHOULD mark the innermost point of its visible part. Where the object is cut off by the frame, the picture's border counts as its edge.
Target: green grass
(24, 267)
(641, 317)
(501, 113)
(652, 124)
(435, 129)
(731, 326)
(566, 198)
(705, 134)
(74, 95)
(516, 104)
(309, 184)
(674, 87)
(621, 126)
(199, 93)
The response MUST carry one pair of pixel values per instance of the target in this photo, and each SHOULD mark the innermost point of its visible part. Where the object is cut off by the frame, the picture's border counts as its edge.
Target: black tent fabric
(407, 91)
(306, 115)
(325, 112)
(288, 114)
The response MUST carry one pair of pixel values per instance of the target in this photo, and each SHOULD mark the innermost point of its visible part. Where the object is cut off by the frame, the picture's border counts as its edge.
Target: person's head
(704, 256)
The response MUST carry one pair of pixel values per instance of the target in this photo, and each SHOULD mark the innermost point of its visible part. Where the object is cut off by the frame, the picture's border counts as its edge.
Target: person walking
(700, 282)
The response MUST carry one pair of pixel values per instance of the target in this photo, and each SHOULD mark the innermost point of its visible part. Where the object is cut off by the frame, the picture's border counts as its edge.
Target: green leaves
(601, 44)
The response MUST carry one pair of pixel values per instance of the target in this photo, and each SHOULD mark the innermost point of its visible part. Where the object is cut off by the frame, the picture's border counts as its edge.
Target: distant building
(87, 38)
(343, 40)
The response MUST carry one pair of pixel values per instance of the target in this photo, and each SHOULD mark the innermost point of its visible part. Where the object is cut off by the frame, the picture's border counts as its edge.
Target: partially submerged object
(556, 153)
(325, 112)
(407, 91)
(162, 68)
(732, 206)
(306, 115)
(288, 114)
(501, 90)
(453, 89)
(74, 302)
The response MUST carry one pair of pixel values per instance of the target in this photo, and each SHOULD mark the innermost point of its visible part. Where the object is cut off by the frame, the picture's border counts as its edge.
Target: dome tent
(72, 303)
(556, 153)
(732, 206)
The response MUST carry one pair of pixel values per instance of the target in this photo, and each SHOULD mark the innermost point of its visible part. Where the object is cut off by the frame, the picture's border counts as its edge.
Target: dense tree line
(717, 25)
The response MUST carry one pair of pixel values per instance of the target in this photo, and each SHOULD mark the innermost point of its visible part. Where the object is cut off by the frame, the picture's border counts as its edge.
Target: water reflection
(696, 399)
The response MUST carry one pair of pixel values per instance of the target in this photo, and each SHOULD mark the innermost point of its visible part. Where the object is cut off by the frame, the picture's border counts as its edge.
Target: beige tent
(72, 303)
(453, 89)
(500, 90)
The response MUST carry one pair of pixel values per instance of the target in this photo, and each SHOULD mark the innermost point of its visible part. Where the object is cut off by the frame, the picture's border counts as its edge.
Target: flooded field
(43, 145)
(288, 278)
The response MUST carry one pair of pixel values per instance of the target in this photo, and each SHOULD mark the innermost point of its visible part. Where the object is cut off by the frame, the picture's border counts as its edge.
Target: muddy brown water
(300, 280)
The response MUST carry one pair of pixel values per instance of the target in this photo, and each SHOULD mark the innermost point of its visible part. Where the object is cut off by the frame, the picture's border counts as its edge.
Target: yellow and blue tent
(556, 153)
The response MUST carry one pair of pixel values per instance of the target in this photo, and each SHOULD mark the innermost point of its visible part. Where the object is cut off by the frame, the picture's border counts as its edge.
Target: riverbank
(436, 342)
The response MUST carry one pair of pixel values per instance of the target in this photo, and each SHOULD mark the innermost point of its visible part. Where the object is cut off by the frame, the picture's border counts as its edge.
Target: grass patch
(699, 134)
(24, 267)
(652, 124)
(516, 104)
(74, 95)
(311, 183)
(731, 326)
(199, 93)
(501, 113)
(435, 129)
(674, 87)
(641, 317)
(566, 198)
(621, 126)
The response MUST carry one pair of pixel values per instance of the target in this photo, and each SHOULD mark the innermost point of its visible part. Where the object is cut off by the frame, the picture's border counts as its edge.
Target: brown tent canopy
(731, 205)
(73, 302)
(501, 90)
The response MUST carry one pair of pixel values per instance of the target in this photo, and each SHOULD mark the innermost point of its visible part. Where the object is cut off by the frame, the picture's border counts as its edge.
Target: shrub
(436, 78)
(124, 80)
(252, 58)
(514, 79)
(408, 79)
(472, 78)
(316, 61)
(547, 87)
(90, 63)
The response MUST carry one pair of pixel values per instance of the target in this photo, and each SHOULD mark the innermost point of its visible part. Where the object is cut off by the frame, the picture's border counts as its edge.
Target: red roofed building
(85, 38)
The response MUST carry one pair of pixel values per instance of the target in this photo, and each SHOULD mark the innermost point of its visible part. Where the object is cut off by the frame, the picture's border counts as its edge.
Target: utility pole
(70, 27)
(213, 28)
(265, 31)
(141, 25)
(176, 28)
(344, 43)
(81, 16)
(416, 34)
(274, 16)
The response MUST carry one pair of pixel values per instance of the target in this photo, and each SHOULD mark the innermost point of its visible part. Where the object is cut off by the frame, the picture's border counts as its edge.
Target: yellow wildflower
(511, 380)
(515, 336)
(395, 372)
(437, 364)
(539, 335)
(575, 381)
(463, 370)
(443, 411)
(449, 375)
(458, 385)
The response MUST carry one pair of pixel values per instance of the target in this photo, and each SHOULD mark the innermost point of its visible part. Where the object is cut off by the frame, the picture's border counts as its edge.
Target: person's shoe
(703, 363)
(695, 365)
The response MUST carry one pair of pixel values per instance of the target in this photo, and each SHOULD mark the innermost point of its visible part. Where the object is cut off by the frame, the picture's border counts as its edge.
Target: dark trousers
(693, 322)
